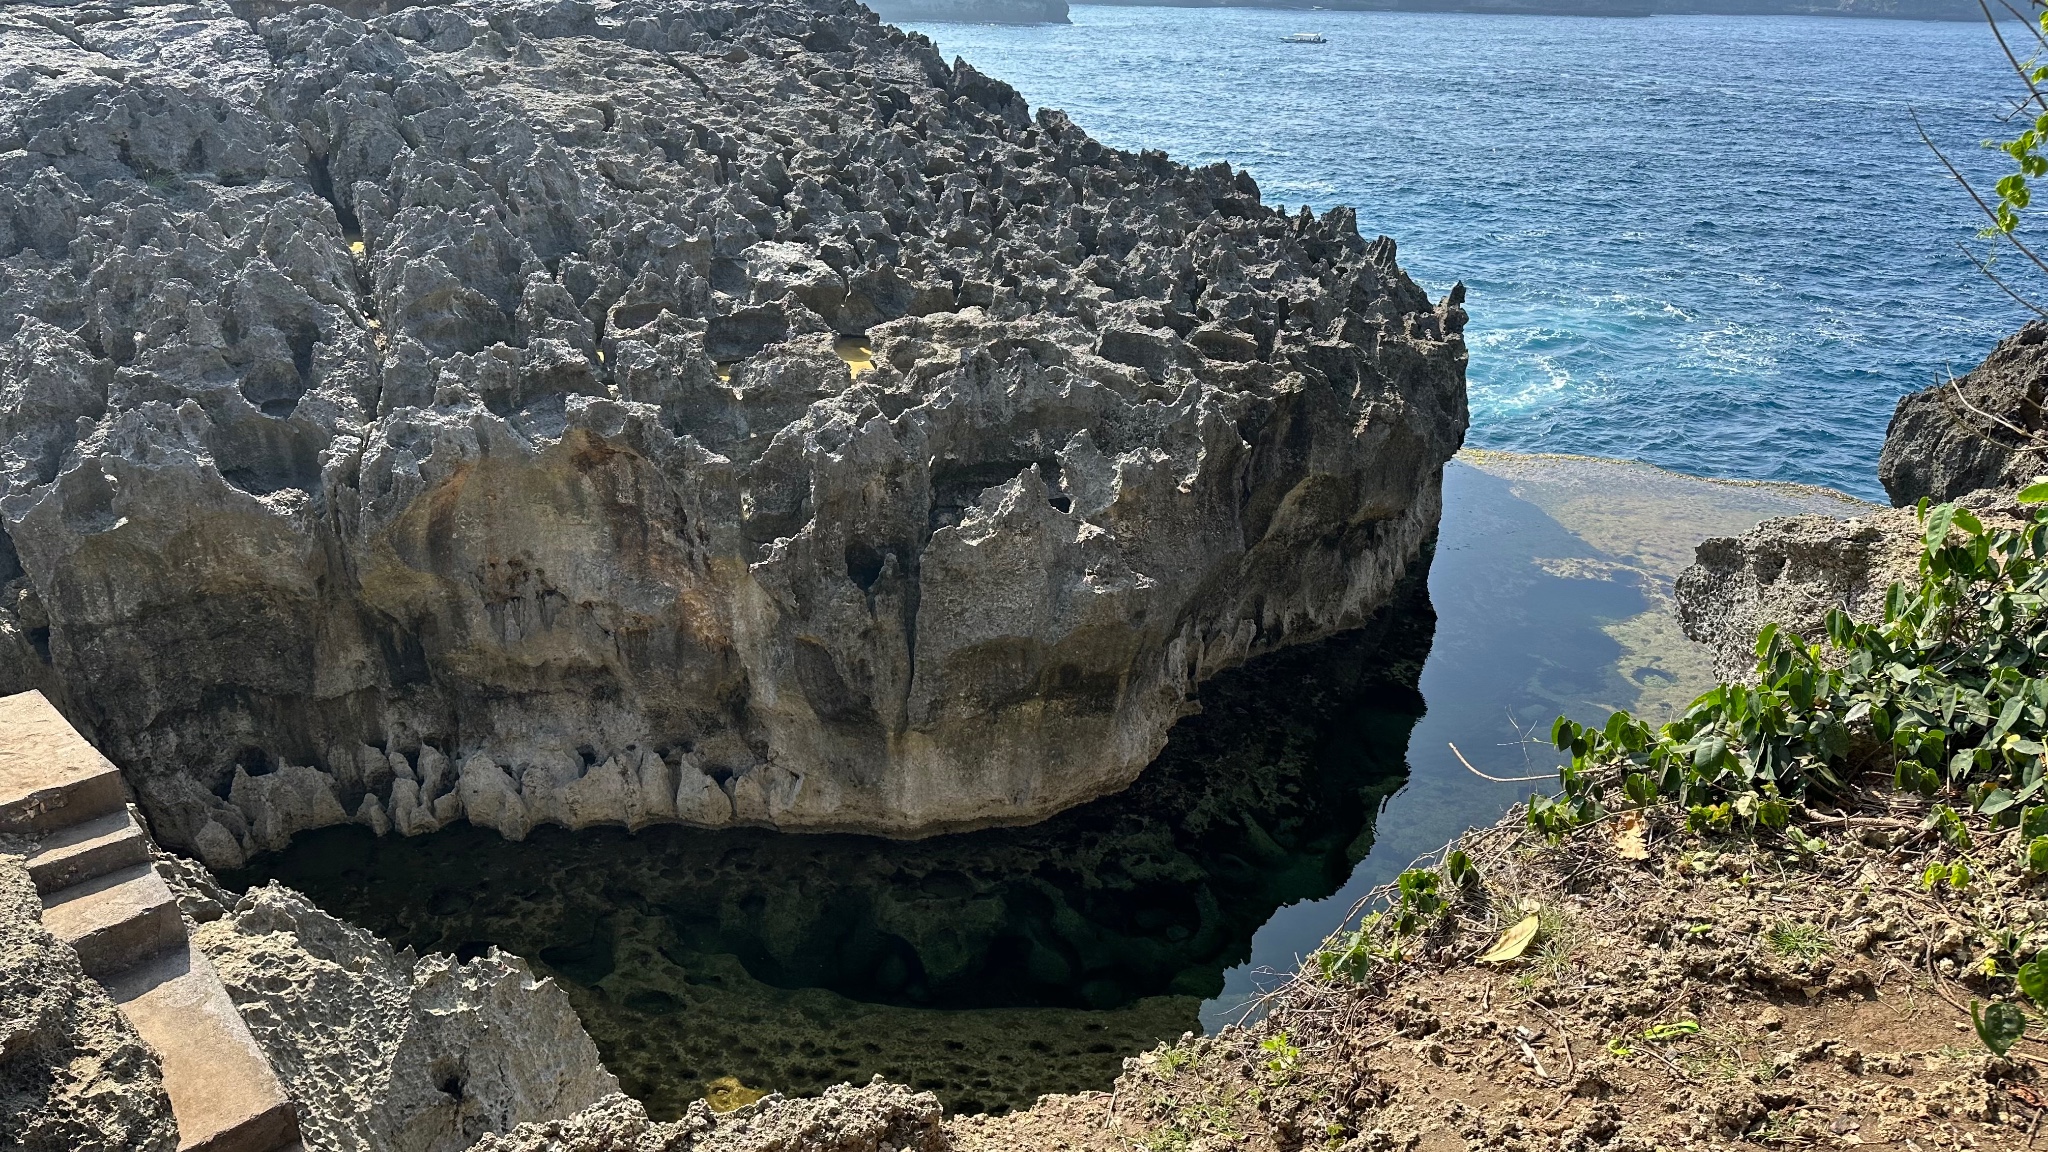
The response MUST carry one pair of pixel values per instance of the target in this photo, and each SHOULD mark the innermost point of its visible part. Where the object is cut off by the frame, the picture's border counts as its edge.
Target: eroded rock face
(388, 1052)
(879, 1117)
(74, 1076)
(1983, 430)
(1791, 571)
(657, 411)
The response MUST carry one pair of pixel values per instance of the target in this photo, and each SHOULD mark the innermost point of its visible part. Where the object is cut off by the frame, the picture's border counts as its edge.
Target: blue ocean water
(1712, 243)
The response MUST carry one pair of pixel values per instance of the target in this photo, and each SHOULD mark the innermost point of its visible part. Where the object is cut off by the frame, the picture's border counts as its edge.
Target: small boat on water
(1304, 38)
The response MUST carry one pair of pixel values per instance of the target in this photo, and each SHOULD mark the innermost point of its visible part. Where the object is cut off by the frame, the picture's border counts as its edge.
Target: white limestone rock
(599, 796)
(370, 814)
(370, 1043)
(491, 799)
(651, 798)
(280, 804)
(699, 799)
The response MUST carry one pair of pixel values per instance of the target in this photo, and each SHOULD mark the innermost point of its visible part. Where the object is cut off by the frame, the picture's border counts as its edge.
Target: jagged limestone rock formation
(74, 1076)
(1983, 430)
(879, 1117)
(384, 1051)
(657, 411)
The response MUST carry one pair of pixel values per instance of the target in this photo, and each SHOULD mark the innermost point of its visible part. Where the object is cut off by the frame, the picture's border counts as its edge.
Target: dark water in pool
(989, 967)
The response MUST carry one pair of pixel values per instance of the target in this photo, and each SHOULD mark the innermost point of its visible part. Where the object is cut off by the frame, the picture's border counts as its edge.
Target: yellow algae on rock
(727, 1093)
(854, 350)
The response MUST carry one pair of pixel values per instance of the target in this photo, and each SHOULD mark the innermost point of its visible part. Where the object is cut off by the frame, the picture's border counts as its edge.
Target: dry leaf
(1631, 834)
(1512, 943)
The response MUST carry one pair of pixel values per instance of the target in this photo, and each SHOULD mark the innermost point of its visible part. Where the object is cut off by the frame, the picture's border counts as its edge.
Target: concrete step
(50, 777)
(223, 1092)
(88, 851)
(115, 921)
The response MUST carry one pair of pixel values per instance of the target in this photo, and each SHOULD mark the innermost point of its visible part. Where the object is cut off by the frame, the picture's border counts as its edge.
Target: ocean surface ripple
(1715, 244)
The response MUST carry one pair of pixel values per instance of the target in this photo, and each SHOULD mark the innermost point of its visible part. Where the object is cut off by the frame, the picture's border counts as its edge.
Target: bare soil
(1728, 991)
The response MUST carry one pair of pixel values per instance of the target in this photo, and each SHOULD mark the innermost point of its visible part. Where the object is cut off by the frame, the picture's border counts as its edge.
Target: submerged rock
(454, 412)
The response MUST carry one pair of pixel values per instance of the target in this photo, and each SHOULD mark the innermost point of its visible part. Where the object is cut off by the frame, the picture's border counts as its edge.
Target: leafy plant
(1949, 690)
(1674, 1030)
(2000, 1025)
(1415, 899)
(1351, 957)
(1282, 1056)
(1459, 867)
(2033, 979)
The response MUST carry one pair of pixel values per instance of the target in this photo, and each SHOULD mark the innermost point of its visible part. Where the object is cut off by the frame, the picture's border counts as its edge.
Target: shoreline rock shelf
(450, 412)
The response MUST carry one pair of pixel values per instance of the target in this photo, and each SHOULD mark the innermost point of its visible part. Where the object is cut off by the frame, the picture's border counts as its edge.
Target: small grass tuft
(1797, 940)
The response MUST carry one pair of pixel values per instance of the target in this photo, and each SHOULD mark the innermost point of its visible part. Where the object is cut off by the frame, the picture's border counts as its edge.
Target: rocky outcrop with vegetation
(657, 411)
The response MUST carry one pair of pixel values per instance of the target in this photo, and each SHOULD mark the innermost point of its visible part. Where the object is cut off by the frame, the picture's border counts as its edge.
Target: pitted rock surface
(74, 1076)
(879, 1117)
(1791, 571)
(453, 413)
(384, 1051)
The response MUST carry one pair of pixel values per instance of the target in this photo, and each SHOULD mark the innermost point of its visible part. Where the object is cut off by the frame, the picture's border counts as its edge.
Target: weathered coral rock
(1972, 440)
(385, 1052)
(74, 1076)
(603, 395)
(1984, 430)
(1791, 571)
(880, 1117)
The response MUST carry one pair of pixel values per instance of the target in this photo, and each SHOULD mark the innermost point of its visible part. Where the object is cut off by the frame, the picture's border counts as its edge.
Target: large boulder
(384, 1051)
(657, 410)
(1982, 430)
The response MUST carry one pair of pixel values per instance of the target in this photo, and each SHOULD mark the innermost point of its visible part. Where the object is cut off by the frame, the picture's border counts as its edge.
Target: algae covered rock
(630, 412)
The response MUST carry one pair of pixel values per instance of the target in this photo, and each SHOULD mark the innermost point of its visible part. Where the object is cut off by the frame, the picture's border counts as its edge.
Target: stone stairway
(102, 897)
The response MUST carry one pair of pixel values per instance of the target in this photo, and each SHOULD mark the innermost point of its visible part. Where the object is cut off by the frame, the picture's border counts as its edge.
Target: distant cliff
(1883, 9)
(974, 11)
